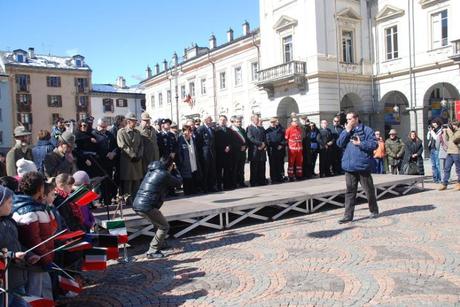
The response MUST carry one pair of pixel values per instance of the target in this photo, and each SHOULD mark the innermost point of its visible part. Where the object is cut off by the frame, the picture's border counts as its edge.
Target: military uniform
(205, 137)
(150, 142)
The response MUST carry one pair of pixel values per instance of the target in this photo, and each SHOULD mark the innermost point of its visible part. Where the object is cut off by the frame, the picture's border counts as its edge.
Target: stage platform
(226, 209)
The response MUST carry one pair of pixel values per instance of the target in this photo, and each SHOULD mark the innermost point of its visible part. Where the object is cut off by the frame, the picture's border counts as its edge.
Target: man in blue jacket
(358, 142)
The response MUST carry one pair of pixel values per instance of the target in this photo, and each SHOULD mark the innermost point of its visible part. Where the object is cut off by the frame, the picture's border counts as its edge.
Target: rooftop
(113, 88)
(41, 61)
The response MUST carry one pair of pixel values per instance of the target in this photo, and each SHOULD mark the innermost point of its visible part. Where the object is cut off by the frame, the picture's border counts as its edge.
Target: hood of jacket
(156, 165)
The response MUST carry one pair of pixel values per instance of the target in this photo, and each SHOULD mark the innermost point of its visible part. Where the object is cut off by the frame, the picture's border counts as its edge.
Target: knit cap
(81, 178)
(25, 166)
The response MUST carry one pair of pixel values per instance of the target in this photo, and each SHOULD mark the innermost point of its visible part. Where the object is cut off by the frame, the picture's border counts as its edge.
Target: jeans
(379, 167)
(157, 219)
(451, 160)
(351, 180)
(39, 284)
(435, 165)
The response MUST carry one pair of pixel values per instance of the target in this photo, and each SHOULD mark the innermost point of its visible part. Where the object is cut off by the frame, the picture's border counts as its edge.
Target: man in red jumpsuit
(294, 137)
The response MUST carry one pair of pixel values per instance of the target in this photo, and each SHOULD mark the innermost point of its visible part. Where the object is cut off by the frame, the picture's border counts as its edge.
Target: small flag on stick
(95, 260)
(101, 240)
(117, 228)
(82, 246)
(35, 301)
(68, 284)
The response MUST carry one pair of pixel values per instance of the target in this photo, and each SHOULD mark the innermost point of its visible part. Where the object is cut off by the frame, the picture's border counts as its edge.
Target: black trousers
(276, 161)
(308, 168)
(365, 179)
(257, 176)
(336, 154)
(325, 162)
(208, 182)
(238, 167)
(190, 184)
(224, 172)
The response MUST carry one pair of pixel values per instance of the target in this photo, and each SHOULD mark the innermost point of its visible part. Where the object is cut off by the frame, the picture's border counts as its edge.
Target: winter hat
(25, 166)
(81, 178)
(5, 193)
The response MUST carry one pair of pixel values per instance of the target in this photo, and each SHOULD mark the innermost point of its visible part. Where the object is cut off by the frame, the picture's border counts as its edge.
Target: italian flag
(69, 284)
(35, 301)
(117, 228)
(82, 246)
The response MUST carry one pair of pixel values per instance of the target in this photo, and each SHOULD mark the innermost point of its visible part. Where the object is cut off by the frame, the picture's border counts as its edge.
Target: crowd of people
(204, 157)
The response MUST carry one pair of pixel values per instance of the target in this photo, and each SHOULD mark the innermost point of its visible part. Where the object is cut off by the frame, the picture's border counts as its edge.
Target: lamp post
(174, 74)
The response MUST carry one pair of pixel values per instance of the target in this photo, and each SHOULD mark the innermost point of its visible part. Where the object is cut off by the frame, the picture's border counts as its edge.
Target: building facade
(44, 88)
(207, 80)
(6, 131)
(395, 62)
(110, 100)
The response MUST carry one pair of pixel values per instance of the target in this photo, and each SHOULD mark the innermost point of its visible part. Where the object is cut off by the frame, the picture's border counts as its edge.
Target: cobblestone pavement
(409, 256)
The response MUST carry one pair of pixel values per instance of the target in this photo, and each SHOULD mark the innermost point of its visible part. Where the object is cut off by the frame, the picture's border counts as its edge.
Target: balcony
(287, 73)
(456, 51)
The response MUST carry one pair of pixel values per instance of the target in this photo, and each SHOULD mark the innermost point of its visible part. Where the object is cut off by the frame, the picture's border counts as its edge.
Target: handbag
(410, 168)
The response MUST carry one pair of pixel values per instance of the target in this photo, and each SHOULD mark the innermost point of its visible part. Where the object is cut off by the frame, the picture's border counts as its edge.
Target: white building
(110, 100)
(6, 123)
(395, 62)
(207, 80)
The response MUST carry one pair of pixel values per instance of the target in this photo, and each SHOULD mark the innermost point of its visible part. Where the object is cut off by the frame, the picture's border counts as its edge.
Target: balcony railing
(281, 72)
(456, 51)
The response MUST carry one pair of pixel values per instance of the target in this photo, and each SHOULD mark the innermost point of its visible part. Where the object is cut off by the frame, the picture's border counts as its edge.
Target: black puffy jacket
(154, 187)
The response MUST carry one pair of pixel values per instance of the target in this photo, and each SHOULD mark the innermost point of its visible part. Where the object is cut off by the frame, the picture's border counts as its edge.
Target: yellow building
(44, 88)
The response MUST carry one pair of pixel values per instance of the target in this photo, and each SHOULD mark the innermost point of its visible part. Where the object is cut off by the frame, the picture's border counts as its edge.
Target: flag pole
(68, 197)
(43, 242)
(59, 248)
(56, 267)
(125, 250)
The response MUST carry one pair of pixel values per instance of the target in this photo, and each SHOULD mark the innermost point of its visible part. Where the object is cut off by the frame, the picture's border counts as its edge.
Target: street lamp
(173, 74)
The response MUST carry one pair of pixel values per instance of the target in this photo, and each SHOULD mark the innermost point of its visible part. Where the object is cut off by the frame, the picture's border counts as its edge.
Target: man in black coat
(205, 143)
(257, 151)
(108, 151)
(241, 145)
(160, 178)
(224, 155)
(276, 143)
(325, 142)
(167, 142)
(306, 150)
(336, 151)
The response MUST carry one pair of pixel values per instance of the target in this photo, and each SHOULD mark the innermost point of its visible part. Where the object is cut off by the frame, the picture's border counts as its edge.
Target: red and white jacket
(294, 137)
(36, 223)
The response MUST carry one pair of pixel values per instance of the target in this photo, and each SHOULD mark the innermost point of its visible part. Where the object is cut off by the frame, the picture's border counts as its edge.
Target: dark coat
(154, 187)
(151, 150)
(256, 137)
(39, 153)
(86, 150)
(55, 164)
(224, 137)
(205, 142)
(167, 143)
(184, 166)
(106, 143)
(412, 148)
(17, 275)
(324, 136)
(275, 138)
(358, 158)
(314, 145)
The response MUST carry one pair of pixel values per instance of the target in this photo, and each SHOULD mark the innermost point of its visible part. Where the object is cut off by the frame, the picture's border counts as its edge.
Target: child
(70, 212)
(17, 275)
(35, 225)
(82, 178)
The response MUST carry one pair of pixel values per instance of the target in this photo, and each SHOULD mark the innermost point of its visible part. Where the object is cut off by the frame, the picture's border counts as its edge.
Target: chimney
(175, 59)
(165, 65)
(212, 42)
(121, 82)
(31, 53)
(246, 28)
(148, 72)
(229, 35)
(157, 69)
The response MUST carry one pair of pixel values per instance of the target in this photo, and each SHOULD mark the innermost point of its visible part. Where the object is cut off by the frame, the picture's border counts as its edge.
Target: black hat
(166, 120)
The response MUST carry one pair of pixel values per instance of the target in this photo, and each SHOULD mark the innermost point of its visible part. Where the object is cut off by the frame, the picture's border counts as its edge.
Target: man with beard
(276, 150)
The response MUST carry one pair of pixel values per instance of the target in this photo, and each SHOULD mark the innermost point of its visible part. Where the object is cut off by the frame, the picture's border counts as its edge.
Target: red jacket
(294, 137)
(35, 224)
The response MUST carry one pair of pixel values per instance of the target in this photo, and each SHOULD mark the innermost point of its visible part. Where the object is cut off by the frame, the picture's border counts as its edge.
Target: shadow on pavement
(406, 210)
(143, 283)
(324, 234)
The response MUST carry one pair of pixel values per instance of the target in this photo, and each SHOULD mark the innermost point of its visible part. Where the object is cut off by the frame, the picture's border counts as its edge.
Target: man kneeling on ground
(161, 175)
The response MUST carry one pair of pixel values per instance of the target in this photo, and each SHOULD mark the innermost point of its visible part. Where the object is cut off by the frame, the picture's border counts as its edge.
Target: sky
(120, 38)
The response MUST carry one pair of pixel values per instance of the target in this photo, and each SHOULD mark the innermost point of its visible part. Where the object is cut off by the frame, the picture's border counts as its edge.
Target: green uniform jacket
(131, 153)
(14, 155)
(151, 151)
(394, 150)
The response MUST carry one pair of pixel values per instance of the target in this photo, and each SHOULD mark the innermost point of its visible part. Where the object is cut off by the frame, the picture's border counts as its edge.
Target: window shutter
(28, 79)
(49, 100)
(436, 30)
(76, 82)
(59, 81)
